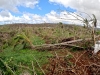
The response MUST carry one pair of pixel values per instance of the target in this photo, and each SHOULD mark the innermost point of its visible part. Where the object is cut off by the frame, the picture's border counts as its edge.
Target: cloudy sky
(52, 11)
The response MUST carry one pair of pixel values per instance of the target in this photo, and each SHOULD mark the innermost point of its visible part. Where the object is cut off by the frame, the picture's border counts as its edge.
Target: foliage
(23, 57)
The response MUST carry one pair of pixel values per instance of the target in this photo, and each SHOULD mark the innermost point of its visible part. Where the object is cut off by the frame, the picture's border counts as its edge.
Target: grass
(16, 58)
(37, 40)
(23, 57)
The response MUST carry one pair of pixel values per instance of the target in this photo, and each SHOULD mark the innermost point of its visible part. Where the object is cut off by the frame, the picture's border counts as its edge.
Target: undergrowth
(17, 60)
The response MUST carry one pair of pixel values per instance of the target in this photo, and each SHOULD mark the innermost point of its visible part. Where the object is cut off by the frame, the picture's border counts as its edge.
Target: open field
(17, 57)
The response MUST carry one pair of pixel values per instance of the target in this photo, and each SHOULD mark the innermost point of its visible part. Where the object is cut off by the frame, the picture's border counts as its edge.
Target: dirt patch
(65, 62)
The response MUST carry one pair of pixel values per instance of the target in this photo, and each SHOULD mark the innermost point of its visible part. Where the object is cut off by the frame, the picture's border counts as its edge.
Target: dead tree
(94, 22)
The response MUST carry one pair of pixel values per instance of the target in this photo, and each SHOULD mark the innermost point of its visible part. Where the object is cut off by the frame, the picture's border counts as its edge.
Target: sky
(47, 11)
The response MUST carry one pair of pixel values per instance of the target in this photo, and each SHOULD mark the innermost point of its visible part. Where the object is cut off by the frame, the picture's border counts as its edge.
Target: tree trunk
(61, 45)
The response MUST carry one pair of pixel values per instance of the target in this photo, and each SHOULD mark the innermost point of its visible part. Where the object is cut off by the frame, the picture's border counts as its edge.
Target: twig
(24, 67)
(79, 58)
(33, 68)
(58, 59)
(39, 66)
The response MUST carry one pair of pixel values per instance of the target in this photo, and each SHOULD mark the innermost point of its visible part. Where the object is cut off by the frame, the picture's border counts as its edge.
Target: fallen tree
(61, 45)
(57, 45)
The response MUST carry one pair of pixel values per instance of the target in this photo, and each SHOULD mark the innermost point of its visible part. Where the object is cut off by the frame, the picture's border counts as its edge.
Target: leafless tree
(86, 22)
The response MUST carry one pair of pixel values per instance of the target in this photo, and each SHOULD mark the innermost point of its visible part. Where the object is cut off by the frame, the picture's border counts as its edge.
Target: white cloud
(52, 17)
(5, 13)
(13, 4)
(82, 5)
(5, 16)
(88, 6)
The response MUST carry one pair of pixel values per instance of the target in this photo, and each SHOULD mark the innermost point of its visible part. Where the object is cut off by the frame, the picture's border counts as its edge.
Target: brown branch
(60, 45)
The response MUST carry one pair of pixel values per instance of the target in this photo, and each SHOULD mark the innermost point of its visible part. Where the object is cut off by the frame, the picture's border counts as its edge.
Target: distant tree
(61, 24)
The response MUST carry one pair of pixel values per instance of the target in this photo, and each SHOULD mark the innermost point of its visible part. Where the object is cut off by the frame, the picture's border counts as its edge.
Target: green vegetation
(16, 59)
(16, 55)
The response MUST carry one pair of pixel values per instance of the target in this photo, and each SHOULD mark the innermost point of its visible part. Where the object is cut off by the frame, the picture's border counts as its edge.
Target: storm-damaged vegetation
(23, 50)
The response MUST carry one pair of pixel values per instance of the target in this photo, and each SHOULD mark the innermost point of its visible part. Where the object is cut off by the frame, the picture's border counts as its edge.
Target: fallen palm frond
(22, 35)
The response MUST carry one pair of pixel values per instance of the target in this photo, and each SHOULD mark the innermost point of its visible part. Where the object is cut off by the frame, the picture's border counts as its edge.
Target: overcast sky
(39, 11)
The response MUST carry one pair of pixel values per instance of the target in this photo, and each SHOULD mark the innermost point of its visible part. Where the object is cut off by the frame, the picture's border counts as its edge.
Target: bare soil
(66, 62)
